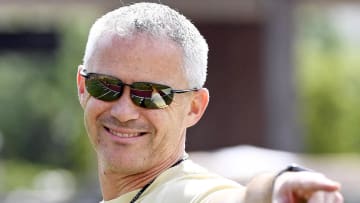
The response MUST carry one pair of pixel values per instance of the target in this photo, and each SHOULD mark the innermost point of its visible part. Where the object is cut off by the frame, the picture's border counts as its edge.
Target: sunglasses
(144, 94)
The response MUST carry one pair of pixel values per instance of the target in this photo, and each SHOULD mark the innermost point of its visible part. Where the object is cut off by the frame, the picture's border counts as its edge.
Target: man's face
(126, 137)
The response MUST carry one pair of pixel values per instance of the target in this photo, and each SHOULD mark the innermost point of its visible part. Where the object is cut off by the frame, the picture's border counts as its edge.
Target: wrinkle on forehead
(113, 50)
(135, 43)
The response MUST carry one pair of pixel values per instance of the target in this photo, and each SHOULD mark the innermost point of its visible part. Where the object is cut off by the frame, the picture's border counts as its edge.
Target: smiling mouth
(124, 135)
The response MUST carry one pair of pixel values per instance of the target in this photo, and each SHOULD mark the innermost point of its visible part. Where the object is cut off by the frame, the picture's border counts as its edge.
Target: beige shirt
(184, 183)
(190, 183)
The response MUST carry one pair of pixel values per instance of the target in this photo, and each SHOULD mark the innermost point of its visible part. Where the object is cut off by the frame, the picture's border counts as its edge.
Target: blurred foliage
(329, 82)
(40, 118)
(19, 174)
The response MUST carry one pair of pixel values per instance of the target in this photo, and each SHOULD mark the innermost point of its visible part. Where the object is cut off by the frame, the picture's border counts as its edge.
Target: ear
(198, 106)
(80, 81)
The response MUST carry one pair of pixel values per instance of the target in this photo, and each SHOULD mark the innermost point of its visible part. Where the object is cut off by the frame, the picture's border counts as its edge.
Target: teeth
(123, 134)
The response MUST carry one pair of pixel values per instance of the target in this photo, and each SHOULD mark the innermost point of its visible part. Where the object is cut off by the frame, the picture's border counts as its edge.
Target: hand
(311, 187)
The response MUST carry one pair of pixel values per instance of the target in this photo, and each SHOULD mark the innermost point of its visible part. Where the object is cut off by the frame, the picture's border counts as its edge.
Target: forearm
(260, 189)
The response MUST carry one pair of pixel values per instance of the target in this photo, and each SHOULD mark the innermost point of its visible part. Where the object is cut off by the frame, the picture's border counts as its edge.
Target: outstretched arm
(289, 187)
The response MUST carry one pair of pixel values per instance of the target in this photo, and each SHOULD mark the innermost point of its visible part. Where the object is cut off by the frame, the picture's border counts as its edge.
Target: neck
(114, 183)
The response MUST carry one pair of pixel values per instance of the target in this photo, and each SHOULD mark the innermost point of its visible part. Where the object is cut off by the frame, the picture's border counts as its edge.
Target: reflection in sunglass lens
(103, 87)
(150, 95)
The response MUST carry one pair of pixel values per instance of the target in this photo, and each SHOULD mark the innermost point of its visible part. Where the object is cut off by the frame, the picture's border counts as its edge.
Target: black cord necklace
(137, 196)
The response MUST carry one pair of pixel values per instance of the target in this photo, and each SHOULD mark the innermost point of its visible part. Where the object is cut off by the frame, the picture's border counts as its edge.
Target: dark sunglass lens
(151, 96)
(104, 88)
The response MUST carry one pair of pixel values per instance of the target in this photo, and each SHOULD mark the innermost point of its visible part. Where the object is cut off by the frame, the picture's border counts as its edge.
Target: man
(141, 87)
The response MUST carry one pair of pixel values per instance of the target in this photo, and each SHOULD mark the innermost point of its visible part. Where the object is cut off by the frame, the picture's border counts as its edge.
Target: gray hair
(158, 21)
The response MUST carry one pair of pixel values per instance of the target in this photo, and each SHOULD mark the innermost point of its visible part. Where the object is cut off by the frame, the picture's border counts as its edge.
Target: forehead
(139, 58)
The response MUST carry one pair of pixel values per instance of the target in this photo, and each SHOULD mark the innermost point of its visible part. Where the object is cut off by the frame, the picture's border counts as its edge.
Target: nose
(124, 109)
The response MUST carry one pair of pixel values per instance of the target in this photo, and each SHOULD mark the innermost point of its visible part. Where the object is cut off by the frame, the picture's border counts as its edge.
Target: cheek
(170, 125)
(93, 109)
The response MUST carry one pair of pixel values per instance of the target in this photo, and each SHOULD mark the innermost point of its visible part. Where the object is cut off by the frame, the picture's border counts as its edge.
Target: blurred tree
(328, 76)
(40, 117)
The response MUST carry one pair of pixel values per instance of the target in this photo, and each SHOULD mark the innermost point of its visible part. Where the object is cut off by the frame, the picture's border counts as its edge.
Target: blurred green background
(41, 124)
(328, 79)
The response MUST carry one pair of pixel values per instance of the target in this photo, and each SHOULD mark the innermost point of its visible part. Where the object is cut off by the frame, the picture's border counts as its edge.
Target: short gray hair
(156, 20)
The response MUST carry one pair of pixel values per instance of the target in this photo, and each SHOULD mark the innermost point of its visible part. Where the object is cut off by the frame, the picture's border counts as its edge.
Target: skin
(157, 136)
